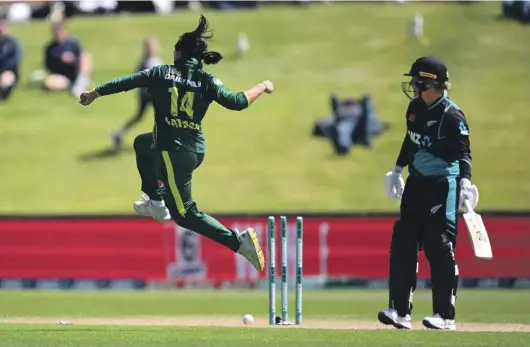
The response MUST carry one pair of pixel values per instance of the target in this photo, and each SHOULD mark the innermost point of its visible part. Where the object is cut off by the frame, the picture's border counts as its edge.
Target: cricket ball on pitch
(248, 319)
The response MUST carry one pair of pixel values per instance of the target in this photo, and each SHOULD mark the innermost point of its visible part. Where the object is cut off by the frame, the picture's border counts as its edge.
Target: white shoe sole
(256, 249)
(427, 323)
(140, 211)
(386, 320)
(147, 214)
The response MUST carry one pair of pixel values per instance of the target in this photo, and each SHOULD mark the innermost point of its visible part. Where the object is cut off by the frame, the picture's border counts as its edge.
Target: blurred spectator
(519, 10)
(69, 66)
(22, 11)
(165, 6)
(10, 57)
(135, 6)
(97, 7)
(54, 10)
(230, 5)
(354, 122)
(18, 12)
(150, 58)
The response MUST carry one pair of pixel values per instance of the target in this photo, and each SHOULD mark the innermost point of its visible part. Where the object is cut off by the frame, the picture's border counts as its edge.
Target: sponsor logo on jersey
(426, 142)
(161, 188)
(411, 117)
(423, 142)
(414, 137)
(178, 79)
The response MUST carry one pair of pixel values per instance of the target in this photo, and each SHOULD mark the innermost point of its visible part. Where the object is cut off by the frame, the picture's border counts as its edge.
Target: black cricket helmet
(426, 72)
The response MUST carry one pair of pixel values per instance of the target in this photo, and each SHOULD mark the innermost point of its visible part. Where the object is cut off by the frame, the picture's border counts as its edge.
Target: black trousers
(144, 100)
(428, 222)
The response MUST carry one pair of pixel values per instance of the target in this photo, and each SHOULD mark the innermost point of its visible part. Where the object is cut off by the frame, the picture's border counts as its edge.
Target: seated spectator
(354, 122)
(69, 66)
(10, 56)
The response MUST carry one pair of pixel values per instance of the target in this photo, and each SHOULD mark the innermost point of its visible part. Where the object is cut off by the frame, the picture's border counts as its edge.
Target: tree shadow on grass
(105, 153)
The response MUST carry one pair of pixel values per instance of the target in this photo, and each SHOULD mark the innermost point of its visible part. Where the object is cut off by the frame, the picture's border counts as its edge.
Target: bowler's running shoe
(390, 317)
(250, 249)
(437, 322)
(144, 207)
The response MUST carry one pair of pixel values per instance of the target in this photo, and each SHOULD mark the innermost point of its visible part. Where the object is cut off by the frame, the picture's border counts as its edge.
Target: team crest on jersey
(463, 129)
(414, 137)
(161, 187)
(174, 71)
(217, 82)
(412, 117)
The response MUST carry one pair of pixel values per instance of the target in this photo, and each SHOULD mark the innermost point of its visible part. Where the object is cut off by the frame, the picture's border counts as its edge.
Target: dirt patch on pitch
(259, 323)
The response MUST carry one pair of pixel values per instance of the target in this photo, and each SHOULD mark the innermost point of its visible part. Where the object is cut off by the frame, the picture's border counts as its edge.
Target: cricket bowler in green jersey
(167, 157)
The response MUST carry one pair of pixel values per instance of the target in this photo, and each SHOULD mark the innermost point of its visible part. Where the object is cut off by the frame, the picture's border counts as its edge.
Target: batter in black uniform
(436, 150)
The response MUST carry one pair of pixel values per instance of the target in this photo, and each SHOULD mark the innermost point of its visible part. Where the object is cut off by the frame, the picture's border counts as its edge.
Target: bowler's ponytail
(195, 44)
(211, 57)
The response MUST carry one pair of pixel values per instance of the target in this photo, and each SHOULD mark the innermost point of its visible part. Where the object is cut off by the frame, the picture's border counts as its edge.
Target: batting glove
(394, 184)
(468, 192)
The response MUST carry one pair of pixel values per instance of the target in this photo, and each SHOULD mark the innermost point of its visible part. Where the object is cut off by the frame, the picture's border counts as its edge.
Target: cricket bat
(477, 233)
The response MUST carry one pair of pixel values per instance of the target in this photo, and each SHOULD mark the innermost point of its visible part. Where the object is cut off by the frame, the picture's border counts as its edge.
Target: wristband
(397, 169)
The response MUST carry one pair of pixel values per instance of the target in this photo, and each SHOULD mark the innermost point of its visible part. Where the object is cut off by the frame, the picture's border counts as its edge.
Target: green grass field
(213, 318)
(265, 158)
(36, 335)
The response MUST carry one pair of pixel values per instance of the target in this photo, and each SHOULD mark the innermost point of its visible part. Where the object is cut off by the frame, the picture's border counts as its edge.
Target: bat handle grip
(468, 206)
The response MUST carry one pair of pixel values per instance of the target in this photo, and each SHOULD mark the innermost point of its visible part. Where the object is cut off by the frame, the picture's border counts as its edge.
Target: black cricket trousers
(428, 222)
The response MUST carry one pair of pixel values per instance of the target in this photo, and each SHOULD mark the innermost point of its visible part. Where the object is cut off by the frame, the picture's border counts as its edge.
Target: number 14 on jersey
(186, 104)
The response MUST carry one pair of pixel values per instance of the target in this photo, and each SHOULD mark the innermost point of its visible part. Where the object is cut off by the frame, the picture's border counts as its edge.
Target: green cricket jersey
(181, 96)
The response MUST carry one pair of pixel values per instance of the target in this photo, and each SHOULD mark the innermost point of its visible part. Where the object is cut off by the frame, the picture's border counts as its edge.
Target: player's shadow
(105, 153)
